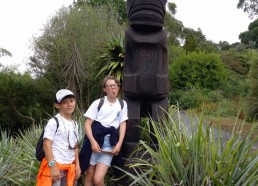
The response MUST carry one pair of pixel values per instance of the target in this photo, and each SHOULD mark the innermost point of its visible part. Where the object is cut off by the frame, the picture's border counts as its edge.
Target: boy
(61, 166)
(105, 129)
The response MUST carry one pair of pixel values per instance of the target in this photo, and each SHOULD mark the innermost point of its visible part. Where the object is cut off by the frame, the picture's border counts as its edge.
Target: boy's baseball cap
(61, 94)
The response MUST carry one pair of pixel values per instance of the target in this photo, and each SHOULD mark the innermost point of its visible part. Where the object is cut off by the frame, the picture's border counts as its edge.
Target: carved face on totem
(146, 14)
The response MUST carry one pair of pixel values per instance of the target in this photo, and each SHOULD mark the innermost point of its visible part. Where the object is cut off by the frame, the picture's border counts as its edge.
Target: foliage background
(218, 80)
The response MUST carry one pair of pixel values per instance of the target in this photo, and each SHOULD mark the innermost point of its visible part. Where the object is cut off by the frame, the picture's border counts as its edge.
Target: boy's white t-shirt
(110, 114)
(62, 154)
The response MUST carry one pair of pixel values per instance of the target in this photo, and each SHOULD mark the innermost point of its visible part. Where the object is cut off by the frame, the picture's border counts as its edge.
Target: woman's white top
(110, 114)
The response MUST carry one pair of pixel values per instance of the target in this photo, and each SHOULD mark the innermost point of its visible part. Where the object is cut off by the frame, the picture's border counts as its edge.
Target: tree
(250, 36)
(195, 41)
(224, 45)
(4, 52)
(190, 44)
(70, 43)
(25, 101)
(118, 5)
(172, 8)
(249, 6)
(173, 26)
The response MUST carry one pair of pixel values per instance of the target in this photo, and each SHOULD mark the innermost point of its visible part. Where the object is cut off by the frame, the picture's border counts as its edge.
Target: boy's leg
(89, 176)
(100, 172)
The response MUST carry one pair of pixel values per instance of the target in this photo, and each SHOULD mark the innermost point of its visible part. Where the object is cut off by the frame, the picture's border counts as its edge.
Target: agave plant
(15, 167)
(23, 165)
(6, 144)
(111, 62)
(190, 154)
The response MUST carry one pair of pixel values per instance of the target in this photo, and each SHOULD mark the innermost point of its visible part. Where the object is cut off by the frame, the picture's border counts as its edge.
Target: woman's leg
(99, 175)
(103, 163)
(89, 176)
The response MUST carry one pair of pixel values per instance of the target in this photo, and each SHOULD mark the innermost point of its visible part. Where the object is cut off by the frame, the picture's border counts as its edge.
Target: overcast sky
(20, 20)
(219, 20)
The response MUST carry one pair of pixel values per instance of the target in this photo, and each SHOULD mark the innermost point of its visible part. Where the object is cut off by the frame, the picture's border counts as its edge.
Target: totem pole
(145, 74)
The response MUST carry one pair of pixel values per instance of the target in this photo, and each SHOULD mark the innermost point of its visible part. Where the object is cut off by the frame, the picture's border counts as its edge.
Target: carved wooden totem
(145, 75)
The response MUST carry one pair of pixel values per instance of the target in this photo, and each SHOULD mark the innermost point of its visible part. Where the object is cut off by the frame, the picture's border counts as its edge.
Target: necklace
(111, 103)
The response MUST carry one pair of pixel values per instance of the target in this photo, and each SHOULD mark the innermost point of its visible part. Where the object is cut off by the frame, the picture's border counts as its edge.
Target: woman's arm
(87, 126)
(122, 130)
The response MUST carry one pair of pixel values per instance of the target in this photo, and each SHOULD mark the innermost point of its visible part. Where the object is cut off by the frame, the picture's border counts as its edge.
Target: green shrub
(223, 108)
(207, 102)
(235, 86)
(197, 70)
(235, 62)
(174, 52)
(194, 98)
(252, 97)
(24, 100)
(189, 98)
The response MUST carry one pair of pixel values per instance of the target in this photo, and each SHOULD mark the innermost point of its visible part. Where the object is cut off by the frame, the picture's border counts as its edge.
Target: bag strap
(57, 123)
(121, 103)
(101, 102)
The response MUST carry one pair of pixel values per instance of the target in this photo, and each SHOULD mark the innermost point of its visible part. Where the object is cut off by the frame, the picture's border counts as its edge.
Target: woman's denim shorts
(102, 157)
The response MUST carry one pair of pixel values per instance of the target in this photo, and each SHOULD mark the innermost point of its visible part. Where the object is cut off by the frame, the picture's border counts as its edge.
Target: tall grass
(18, 165)
(190, 153)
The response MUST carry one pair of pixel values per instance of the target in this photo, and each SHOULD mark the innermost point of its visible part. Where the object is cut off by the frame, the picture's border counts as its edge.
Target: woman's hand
(116, 150)
(95, 147)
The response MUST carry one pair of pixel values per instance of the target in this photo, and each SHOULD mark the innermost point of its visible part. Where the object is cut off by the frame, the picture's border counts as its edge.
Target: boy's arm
(94, 145)
(47, 147)
(77, 163)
